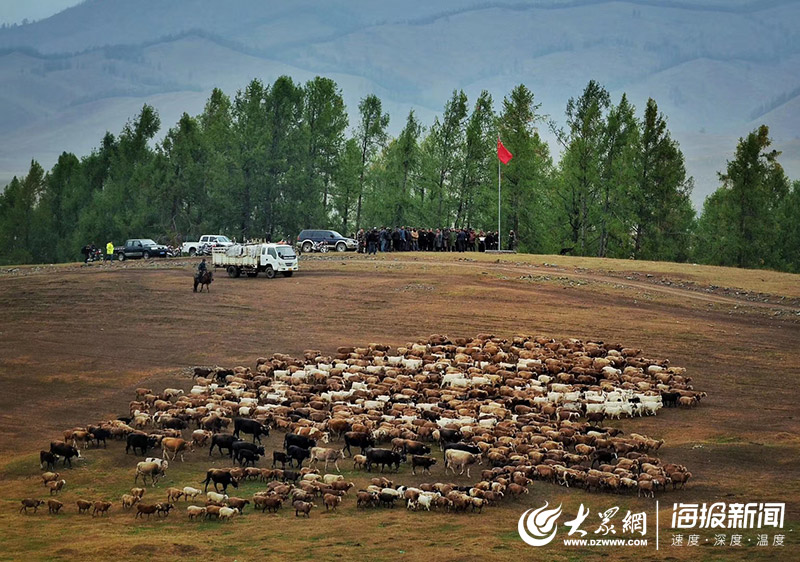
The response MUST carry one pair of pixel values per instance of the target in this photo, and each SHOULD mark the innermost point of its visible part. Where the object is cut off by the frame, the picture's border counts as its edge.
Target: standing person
(110, 252)
(384, 238)
(512, 240)
(372, 241)
(461, 240)
(361, 238)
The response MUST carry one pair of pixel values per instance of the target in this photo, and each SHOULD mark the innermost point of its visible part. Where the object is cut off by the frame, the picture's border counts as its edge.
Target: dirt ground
(75, 341)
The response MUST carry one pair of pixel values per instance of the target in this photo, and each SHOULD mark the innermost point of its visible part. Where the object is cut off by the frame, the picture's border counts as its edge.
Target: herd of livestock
(521, 409)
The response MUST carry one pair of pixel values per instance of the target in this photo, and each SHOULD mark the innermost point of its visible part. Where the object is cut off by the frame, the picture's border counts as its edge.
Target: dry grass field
(75, 341)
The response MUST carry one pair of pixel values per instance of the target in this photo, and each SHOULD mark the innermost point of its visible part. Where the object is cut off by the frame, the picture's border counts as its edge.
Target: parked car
(307, 238)
(212, 240)
(144, 248)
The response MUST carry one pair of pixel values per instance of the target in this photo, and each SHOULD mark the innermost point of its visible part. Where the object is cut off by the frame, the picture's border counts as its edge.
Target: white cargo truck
(252, 259)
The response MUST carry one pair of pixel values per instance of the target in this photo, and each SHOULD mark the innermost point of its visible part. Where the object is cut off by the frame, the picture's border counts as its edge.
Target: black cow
(139, 441)
(246, 456)
(100, 434)
(47, 458)
(63, 450)
(222, 441)
(463, 447)
(298, 454)
(383, 457)
(239, 447)
(220, 476)
(449, 436)
(254, 427)
(359, 439)
(174, 423)
(425, 462)
(298, 440)
(416, 448)
(279, 457)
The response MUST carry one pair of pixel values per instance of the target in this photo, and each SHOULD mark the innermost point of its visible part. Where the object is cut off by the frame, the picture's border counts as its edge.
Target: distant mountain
(717, 68)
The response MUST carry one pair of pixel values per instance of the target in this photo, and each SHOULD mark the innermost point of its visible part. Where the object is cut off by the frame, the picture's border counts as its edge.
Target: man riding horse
(202, 276)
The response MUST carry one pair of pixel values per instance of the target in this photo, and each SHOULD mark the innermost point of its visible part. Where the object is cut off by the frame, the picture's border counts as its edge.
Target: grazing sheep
(128, 501)
(53, 506)
(32, 503)
(56, 486)
(100, 508)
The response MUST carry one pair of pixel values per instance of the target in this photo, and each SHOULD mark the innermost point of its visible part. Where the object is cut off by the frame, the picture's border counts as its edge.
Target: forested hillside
(274, 158)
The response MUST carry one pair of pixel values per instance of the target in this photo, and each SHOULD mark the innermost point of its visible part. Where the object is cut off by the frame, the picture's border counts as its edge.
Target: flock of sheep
(525, 409)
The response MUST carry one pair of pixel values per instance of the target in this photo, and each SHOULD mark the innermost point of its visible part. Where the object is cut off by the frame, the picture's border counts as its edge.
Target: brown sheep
(56, 486)
(101, 507)
(84, 506)
(29, 502)
(331, 501)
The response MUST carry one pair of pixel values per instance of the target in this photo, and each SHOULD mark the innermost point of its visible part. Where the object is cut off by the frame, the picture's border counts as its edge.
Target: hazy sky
(14, 11)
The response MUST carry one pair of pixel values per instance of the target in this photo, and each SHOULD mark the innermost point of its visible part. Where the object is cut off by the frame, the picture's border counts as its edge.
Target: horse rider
(201, 269)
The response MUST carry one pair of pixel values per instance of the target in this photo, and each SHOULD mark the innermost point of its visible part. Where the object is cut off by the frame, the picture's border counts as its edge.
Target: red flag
(502, 152)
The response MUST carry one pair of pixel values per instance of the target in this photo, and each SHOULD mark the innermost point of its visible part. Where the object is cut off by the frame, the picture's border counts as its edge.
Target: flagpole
(498, 204)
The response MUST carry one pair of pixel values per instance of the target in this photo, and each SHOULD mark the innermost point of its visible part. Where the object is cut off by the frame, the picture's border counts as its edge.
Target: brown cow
(175, 446)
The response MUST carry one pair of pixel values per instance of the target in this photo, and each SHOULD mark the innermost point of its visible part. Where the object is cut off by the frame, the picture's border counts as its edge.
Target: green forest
(277, 158)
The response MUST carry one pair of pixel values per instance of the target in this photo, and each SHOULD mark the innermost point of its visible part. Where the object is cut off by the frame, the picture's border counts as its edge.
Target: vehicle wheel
(145, 255)
(288, 273)
(192, 251)
(340, 247)
(252, 273)
(233, 271)
(121, 257)
(270, 273)
(307, 247)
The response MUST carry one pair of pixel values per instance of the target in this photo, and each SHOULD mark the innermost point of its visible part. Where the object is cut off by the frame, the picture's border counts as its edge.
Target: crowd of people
(405, 239)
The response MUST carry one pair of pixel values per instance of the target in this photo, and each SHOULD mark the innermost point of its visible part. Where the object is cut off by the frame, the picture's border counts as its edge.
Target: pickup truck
(144, 248)
(213, 240)
(252, 259)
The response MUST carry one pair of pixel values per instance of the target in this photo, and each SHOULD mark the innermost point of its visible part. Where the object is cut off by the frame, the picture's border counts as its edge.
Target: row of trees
(281, 157)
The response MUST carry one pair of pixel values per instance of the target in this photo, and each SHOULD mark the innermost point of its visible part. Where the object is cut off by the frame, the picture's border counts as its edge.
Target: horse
(204, 279)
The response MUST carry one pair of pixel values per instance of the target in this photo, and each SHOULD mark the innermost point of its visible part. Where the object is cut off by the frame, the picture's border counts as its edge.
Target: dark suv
(307, 238)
